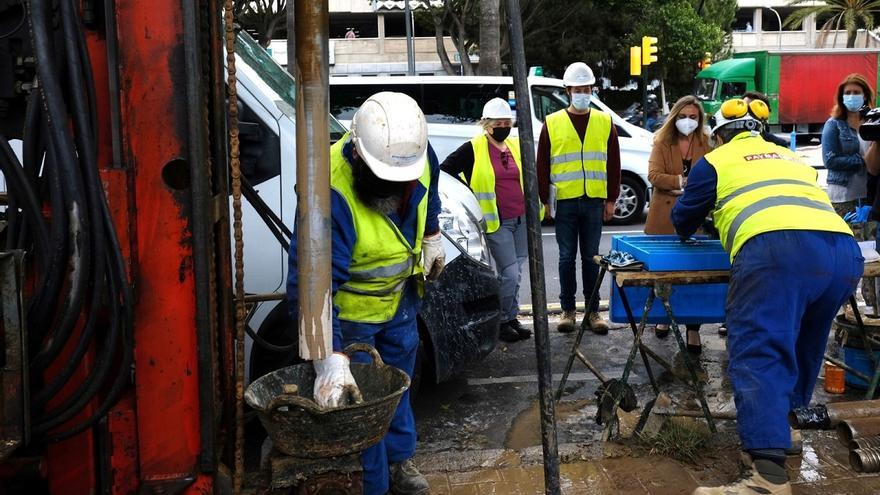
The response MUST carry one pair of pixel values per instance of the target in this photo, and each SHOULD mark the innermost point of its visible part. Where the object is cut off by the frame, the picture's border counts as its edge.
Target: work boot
(507, 333)
(797, 443)
(522, 331)
(567, 322)
(596, 323)
(405, 479)
(762, 477)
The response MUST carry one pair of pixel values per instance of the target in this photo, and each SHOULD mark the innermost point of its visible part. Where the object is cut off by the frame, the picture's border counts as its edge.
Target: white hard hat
(390, 134)
(496, 108)
(578, 74)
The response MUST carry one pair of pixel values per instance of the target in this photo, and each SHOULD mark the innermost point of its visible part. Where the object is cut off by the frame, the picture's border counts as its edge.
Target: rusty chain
(235, 172)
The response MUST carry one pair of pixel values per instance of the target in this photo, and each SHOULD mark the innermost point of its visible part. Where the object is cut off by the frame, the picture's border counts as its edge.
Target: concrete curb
(556, 308)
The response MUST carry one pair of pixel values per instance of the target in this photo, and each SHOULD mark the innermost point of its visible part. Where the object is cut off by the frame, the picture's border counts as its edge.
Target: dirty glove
(334, 385)
(433, 256)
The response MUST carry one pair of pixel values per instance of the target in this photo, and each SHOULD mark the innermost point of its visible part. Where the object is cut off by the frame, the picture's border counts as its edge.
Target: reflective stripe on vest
(579, 168)
(764, 188)
(482, 181)
(382, 260)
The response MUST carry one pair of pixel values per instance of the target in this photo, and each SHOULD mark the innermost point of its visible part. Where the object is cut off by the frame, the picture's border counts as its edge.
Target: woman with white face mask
(843, 151)
(677, 145)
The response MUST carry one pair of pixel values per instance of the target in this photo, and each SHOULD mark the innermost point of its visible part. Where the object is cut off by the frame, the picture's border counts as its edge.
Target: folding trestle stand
(660, 285)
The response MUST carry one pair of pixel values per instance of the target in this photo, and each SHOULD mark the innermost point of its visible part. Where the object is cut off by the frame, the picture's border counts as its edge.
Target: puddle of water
(525, 430)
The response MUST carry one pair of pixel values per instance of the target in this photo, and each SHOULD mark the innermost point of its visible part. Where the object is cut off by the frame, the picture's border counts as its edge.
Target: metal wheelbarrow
(298, 427)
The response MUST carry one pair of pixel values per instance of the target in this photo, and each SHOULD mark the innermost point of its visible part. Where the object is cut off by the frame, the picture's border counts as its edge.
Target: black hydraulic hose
(265, 213)
(43, 305)
(265, 344)
(25, 195)
(119, 285)
(56, 112)
(257, 201)
(86, 144)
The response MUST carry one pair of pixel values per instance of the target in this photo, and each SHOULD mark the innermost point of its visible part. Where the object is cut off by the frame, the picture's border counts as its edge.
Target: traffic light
(707, 60)
(635, 61)
(649, 50)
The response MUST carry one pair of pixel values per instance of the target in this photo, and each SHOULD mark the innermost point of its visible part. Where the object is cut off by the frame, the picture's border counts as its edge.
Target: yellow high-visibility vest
(382, 260)
(482, 181)
(579, 168)
(763, 187)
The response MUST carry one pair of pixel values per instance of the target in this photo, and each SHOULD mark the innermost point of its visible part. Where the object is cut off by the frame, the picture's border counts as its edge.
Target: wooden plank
(686, 277)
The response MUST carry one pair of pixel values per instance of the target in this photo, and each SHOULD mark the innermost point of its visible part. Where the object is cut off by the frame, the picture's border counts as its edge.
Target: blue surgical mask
(853, 102)
(580, 101)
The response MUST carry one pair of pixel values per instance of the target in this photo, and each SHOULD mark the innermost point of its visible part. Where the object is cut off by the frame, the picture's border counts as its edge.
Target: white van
(453, 104)
(459, 318)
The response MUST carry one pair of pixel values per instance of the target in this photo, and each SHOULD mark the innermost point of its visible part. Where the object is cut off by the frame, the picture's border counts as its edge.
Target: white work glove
(433, 256)
(334, 385)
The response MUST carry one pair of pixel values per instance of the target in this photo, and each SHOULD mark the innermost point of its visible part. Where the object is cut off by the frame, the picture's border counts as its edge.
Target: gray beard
(384, 206)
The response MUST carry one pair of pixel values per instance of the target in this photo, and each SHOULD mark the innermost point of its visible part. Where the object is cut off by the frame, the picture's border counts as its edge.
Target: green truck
(800, 84)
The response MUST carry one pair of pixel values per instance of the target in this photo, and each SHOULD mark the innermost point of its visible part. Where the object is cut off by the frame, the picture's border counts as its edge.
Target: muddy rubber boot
(797, 443)
(596, 324)
(405, 479)
(761, 477)
(567, 322)
(522, 331)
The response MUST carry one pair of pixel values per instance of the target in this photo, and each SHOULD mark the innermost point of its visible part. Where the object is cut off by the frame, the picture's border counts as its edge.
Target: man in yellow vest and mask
(579, 179)
(385, 241)
(794, 263)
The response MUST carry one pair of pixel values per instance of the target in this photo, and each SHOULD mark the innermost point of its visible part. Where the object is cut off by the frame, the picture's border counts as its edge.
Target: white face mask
(580, 101)
(686, 126)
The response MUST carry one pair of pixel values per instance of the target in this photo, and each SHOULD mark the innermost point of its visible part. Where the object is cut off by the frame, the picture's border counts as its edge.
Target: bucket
(834, 378)
(859, 360)
(298, 427)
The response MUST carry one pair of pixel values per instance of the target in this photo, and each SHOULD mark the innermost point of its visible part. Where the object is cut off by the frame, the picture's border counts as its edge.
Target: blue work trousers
(509, 248)
(578, 223)
(785, 289)
(397, 342)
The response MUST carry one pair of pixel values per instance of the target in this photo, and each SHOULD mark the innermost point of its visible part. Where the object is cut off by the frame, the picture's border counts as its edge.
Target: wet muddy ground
(480, 433)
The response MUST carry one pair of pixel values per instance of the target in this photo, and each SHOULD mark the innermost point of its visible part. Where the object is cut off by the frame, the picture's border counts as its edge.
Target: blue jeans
(578, 223)
(509, 248)
(397, 342)
(785, 289)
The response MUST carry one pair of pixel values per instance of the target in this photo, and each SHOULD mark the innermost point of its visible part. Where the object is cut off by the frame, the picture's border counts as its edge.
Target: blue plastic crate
(702, 303)
(691, 304)
(662, 253)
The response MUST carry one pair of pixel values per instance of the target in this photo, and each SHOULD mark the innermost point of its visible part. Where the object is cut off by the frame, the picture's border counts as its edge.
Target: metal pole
(536, 252)
(779, 20)
(410, 56)
(312, 22)
(644, 99)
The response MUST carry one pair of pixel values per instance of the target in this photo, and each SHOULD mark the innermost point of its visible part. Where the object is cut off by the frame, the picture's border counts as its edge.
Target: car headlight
(464, 231)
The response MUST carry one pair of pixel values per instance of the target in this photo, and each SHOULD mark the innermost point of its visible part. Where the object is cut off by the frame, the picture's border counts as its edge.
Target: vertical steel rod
(536, 252)
(312, 22)
(410, 46)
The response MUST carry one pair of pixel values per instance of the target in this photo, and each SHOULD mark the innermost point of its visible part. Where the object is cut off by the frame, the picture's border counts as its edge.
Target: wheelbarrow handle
(361, 347)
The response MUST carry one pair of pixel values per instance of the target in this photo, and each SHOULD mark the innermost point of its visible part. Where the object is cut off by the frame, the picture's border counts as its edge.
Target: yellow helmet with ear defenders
(738, 114)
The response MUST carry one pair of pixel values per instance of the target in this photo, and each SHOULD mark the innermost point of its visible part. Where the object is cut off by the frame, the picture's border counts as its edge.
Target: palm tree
(850, 14)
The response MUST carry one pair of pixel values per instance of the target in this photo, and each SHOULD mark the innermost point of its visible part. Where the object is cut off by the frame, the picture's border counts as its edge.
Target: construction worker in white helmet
(794, 262)
(385, 242)
(490, 165)
(579, 180)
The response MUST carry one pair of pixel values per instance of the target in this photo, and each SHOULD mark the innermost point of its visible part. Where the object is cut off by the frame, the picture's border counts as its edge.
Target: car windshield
(705, 89)
(278, 79)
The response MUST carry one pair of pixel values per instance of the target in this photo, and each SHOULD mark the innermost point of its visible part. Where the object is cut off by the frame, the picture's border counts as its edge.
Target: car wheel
(630, 203)
(279, 330)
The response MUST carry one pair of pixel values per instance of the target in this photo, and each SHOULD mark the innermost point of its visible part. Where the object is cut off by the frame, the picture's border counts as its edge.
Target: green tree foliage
(849, 15)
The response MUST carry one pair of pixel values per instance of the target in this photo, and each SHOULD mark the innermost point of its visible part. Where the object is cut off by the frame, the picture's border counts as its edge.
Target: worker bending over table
(794, 262)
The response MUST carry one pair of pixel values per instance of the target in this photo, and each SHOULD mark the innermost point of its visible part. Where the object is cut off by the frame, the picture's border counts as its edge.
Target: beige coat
(664, 169)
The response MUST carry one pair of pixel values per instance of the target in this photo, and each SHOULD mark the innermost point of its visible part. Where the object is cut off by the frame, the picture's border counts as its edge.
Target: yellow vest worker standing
(490, 166)
(385, 240)
(794, 263)
(579, 179)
